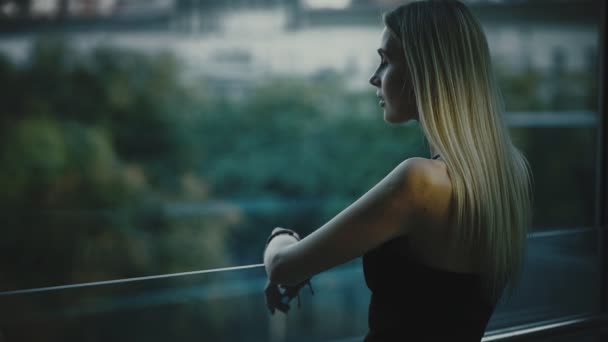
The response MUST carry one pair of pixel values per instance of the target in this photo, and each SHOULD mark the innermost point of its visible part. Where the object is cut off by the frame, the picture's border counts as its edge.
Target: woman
(441, 237)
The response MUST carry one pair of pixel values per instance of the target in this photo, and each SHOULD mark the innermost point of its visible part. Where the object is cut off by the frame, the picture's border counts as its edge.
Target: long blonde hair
(461, 115)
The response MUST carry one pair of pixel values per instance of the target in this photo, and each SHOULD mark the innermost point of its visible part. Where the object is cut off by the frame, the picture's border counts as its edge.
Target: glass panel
(596, 335)
(561, 279)
(563, 164)
(224, 306)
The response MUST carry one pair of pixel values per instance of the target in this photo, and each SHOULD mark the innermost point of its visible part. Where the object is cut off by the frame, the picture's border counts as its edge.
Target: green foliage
(112, 165)
(100, 149)
(535, 90)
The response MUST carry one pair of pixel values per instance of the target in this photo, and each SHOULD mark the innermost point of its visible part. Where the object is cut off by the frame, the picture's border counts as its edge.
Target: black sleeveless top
(411, 301)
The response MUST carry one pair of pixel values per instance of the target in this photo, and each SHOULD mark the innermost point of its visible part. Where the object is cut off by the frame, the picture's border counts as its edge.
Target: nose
(374, 80)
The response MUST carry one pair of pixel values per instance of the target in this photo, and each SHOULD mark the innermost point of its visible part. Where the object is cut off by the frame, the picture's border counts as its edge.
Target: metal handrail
(531, 332)
(125, 280)
(535, 331)
(532, 235)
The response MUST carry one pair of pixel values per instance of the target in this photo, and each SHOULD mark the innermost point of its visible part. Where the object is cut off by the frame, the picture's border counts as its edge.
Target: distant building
(237, 43)
(547, 36)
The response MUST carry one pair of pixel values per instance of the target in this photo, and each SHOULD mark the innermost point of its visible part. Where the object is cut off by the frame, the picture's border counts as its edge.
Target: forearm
(271, 254)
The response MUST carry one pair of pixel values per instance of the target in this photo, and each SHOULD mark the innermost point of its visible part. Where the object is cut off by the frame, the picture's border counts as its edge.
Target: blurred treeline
(112, 165)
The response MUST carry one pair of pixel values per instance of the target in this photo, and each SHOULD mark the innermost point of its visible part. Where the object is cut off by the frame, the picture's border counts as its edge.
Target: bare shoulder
(429, 183)
(424, 173)
(430, 241)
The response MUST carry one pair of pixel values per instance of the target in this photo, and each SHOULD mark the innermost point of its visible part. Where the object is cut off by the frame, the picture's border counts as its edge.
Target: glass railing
(560, 279)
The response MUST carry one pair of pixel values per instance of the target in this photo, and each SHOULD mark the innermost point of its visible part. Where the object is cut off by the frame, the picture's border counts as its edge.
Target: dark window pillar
(602, 166)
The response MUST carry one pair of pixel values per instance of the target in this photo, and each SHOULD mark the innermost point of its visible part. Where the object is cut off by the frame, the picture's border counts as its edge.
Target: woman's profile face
(393, 83)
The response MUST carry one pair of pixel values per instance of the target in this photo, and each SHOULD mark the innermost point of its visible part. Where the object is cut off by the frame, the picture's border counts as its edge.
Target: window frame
(595, 322)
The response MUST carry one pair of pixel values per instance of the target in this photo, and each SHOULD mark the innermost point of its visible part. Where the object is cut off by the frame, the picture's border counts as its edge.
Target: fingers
(271, 294)
(283, 307)
(291, 291)
(274, 298)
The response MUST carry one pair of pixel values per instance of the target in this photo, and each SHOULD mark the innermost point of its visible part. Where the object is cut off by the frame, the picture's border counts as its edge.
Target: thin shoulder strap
(435, 157)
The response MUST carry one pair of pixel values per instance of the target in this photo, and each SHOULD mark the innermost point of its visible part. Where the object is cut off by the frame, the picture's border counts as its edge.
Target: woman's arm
(390, 209)
(274, 246)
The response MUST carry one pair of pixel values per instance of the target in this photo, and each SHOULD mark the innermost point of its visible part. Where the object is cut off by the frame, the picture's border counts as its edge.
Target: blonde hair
(461, 115)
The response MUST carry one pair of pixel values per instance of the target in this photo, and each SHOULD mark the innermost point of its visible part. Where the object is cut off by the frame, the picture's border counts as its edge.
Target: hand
(290, 291)
(278, 296)
(275, 299)
(280, 300)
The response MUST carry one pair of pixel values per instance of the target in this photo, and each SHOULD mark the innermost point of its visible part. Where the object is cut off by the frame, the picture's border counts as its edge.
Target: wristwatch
(284, 231)
(286, 298)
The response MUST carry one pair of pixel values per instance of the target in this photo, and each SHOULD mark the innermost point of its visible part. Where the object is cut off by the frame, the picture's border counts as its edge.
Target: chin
(397, 119)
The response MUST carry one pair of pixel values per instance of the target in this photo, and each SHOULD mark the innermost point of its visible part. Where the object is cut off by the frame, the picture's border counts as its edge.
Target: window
(148, 139)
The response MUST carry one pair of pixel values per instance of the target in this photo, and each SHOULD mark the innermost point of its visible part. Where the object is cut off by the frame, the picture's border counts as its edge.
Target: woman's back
(431, 243)
(421, 290)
